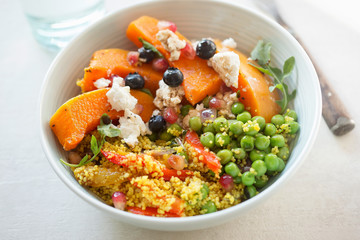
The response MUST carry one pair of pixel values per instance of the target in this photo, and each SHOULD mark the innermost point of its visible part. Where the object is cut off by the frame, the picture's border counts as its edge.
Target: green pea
(184, 110)
(175, 129)
(292, 114)
(164, 135)
(294, 127)
(236, 127)
(244, 116)
(233, 144)
(256, 155)
(225, 156)
(271, 161)
(248, 178)
(232, 169)
(239, 153)
(237, 179)
(260, 167)
(281, 165)
(278, 120)
(221, 124)
(260, 120)
(152, 137)
(195, 123)
(204, 191)
(208, 128)
(250, 191)
(269, 129)
(210, 207)
(207, 139)
(267, 150)
(251, 128)
(261, 181)
(262, 142)
(206, 101)
(247, 143)
(277, 141)
(222, 139)
(284, 153)
(237, 108)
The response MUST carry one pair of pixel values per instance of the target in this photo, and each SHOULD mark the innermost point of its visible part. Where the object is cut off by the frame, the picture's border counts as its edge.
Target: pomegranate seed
(176, 162)
(162, 25)
(170, 115)
(188, 51)
(133, 58)
(138, 109)
(224, 88)
(74, 158)
(216, 103)
(208, 114)
(160, 64)
(227, 182)
(119, 200)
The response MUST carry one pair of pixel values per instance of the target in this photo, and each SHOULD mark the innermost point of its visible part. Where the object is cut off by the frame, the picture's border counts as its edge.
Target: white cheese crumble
(132, 126)
(156, 112)
(227, 65)
(102, 83)
(171, 43)
(168, 96)
(229, 42)
(120, 97)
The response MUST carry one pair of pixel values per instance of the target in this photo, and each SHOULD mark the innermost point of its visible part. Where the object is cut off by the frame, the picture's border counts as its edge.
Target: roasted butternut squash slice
(114, 61)
(81, 115)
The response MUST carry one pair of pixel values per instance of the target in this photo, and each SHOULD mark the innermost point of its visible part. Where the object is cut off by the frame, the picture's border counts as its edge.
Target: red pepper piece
(168, 173)
(210, 159)
(150, 211)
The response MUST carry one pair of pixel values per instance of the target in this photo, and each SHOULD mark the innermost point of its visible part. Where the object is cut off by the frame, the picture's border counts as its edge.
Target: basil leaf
(261, 53)
(147, 91)
(108, 131)
(288, 66)
(94, 145)
(149, 46)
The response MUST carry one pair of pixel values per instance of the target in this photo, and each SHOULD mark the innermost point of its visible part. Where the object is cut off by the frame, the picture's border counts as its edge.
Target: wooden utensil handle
(333, 110)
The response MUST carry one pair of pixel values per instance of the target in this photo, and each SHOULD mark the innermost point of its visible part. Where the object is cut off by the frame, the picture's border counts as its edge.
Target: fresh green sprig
(105, 129)
(261, 55)
(151, 47)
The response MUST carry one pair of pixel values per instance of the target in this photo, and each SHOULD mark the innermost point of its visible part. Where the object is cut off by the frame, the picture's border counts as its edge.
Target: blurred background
(321, 201)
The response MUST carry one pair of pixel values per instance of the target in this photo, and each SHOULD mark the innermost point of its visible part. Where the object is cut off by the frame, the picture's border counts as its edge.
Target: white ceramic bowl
(195, 19)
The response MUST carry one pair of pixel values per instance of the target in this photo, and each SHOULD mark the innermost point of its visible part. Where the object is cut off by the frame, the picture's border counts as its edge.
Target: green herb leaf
(149, 46)
(94, 145)
(81, 163)
(288, 66)
(147, 91)
(261, 53)
(108, 130)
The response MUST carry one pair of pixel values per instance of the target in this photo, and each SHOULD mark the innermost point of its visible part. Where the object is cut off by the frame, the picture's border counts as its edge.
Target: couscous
(177, 128)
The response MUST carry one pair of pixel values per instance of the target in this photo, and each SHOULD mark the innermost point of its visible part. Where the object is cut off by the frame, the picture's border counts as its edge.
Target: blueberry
(173, 77)
(134, 81)
(157, 123)
(205, 49)
(146, 55)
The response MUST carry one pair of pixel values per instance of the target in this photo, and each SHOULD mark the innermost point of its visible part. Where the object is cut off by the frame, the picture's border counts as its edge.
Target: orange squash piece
(114, 61)
(199, 79)
(254, 88)
(81, 115)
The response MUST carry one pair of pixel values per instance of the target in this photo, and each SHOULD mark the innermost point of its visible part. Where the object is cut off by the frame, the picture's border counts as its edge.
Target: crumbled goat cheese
(156, 112)
(168, 96)
(227, 65)
(132, 126)
(102, 83)
(229, 43)
(120, 97)
(171, 43)
(230, 98)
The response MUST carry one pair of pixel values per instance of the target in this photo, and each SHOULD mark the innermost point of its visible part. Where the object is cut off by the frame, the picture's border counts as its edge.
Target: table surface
(321, 201)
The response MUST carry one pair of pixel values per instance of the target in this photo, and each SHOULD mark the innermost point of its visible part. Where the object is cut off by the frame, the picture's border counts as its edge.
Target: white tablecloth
(321, 201)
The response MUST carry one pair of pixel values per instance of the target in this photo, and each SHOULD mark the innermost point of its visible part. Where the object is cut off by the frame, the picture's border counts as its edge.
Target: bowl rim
(229, 212)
